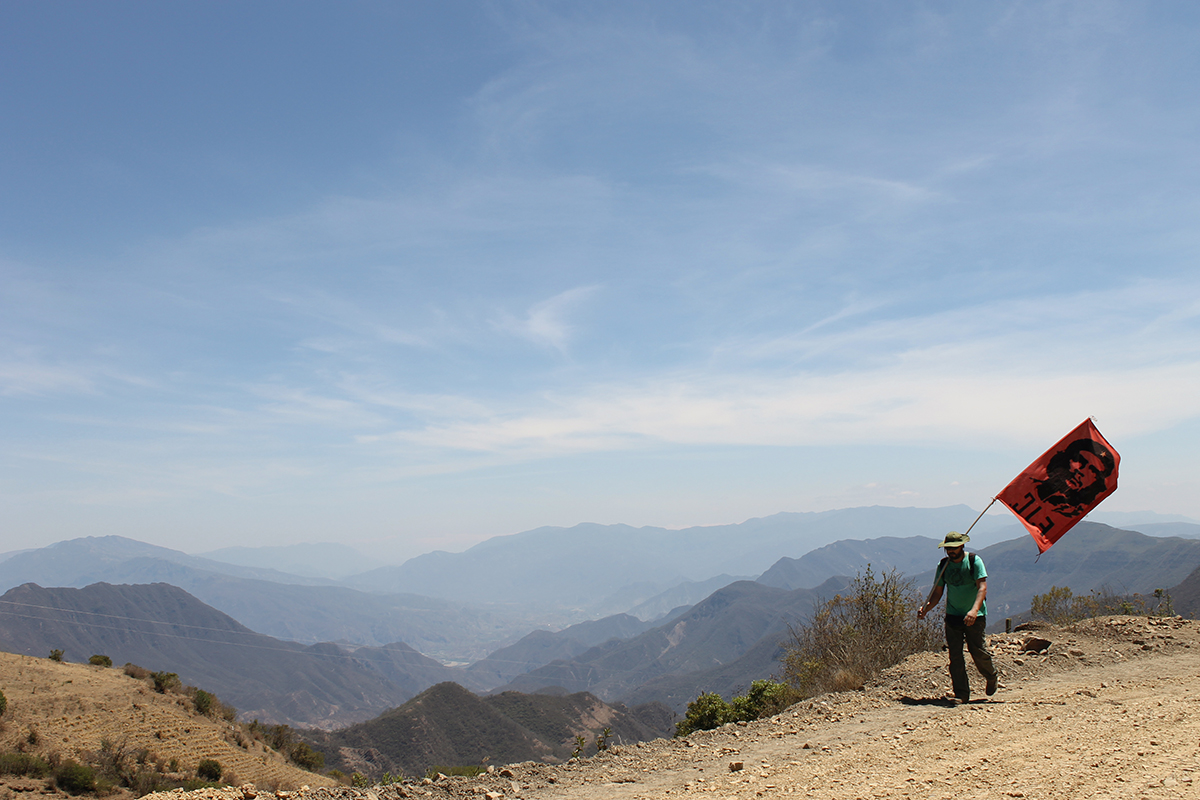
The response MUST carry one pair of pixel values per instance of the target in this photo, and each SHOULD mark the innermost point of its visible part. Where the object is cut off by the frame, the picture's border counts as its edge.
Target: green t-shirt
(959, 580)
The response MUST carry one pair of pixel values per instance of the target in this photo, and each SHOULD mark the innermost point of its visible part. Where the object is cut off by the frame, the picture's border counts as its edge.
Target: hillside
(1109, 711)
(709, 636)
(909, 555)
(448, 726)
(542, 647)
(70, 710)
(162, 627)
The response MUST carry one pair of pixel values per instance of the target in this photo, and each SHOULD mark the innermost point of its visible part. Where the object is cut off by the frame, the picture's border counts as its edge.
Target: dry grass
(72, 710)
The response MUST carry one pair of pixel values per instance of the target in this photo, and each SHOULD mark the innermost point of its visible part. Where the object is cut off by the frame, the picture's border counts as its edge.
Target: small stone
(737, 766)
(507, 773)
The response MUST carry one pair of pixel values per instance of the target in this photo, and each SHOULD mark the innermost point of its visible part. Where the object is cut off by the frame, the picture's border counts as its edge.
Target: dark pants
(958, 634)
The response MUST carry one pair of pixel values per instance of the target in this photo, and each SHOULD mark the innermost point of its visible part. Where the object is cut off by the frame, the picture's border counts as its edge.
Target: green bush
(851, 638)
(100, 661)
(23, 764)
(209, 769)
(75, 778)
(764, 699)
(203, 701)
(706, 712)
(165, 681)
(55, 655)
(710, 710)
(305, 757)
(3, 704)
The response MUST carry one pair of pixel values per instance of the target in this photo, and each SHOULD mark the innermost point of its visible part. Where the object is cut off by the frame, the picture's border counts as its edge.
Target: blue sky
(410, 275)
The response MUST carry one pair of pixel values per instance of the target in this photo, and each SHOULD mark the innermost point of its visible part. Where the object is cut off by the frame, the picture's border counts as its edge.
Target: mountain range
(162, 628)
(307, 651)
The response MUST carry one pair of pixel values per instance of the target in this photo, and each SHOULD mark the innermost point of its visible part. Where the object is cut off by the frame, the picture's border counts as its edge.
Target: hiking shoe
(992, 683)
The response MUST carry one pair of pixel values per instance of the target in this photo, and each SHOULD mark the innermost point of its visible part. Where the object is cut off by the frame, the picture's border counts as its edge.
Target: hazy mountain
(1185, 596)
(1184, 530)
(311, 614)
(541, 647)
(582, 566)
(849, 557)
(163, 628)
(714, 633)
(447, 725)
(287, 607)
(762, 660)
(313, 560)
(1132, 520)
(1091, 556)
(687, 593)
(79, 562)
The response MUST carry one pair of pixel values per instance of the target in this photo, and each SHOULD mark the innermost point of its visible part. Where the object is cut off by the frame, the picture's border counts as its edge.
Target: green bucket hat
(955, 539)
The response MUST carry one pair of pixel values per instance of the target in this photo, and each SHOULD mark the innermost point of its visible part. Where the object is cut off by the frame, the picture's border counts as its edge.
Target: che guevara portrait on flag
(1076, 475)
(1064, 484)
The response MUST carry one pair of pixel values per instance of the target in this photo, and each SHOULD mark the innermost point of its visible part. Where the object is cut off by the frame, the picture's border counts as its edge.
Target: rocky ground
(1109, 708)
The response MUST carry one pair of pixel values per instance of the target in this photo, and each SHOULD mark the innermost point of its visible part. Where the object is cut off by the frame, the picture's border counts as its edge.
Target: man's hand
(921, 612)
(970, 617)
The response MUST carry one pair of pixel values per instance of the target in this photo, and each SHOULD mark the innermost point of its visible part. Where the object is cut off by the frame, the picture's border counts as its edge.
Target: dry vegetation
(101, 716)
(1108, 710)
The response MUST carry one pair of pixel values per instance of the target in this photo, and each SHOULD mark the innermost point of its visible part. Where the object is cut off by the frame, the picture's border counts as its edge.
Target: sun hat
(955, 539)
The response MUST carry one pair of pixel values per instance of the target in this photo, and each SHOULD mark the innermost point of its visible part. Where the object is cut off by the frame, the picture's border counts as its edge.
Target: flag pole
(981, 513)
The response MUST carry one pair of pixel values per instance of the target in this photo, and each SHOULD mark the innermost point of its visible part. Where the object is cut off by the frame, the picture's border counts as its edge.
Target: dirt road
(1111, 710)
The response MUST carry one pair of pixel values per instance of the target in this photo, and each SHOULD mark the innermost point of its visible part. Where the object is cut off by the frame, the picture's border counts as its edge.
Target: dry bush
(1061, 606)
(852, 638)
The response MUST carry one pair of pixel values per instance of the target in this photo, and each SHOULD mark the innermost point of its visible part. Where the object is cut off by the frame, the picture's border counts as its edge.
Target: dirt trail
(1111, 711)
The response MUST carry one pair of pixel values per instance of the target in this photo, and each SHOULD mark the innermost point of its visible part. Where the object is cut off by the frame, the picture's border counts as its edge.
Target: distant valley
(647, 618)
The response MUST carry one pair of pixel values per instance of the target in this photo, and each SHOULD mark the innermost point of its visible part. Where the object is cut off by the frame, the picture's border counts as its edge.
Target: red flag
(1063, 485)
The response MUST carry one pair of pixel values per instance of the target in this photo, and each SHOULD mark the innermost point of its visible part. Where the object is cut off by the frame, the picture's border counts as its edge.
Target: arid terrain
(1110, 710)
(70, 710)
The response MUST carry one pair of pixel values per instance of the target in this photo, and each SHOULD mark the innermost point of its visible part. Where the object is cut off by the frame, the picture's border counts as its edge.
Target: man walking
(966, 613)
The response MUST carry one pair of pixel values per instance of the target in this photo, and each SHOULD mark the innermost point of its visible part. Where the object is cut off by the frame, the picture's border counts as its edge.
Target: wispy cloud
(549, 322)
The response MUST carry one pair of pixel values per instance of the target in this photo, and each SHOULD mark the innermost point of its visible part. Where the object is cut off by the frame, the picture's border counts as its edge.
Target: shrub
(203, 701)
(56, 655)
(23, 764)
(100, 661)
(209, 769)
(706, 712)
(852, 638)
(165, 681)
(764, 699)
(1061, 606)
(75, 778)
(710, 710)
(3, 704)
(305, 757)
(134, 671)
